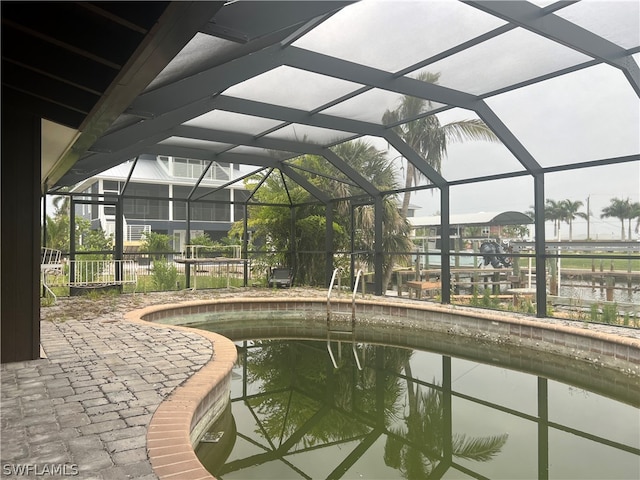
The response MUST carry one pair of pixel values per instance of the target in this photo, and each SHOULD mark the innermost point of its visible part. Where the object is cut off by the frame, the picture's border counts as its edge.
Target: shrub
(610, 313)
(165, 275)
(155, 244)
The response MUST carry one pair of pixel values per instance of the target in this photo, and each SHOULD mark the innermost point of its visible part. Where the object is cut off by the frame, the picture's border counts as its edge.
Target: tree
(554, 212)
(569, 211)
(202, 239)
(373, 165)
(62, 204)
(515, 231)
(416, 447)
(155, 244)
(58, 224)
(634, 212)
(165, 274)
(427, 136)
(620, 209)
(87, 239)
(58, 232)
(271, 222)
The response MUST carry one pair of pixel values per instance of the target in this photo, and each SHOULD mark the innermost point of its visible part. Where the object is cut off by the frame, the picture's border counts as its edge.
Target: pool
(547, 387)
(411, 414)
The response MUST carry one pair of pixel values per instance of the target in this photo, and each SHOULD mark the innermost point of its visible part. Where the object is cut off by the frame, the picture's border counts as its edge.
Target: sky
(590, 114)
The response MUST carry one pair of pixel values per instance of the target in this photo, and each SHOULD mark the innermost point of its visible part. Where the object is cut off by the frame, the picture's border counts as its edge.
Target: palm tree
(62, 205)
(634, 212)
(395, 235)
(416, 447)
(427, 136)
(570, 212)
(373, 165)
(620, 209)
(554, 212)
(58, 232)
(58, 223)
(273, 223)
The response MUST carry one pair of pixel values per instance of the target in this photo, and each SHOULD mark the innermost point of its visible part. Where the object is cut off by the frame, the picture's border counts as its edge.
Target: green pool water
(414, 413)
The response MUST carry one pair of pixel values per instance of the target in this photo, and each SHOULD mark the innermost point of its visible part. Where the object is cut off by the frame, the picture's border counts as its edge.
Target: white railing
(196, 252)
(50, 258)
(93, 273)
(84, 273)
(131, 233)
(134, 233)
(50, 266)
(193, 169)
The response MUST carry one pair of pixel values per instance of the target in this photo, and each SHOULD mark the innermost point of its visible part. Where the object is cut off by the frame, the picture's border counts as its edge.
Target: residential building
(155, 194)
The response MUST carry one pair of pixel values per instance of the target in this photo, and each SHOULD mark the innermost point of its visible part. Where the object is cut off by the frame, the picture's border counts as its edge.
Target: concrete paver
(89, 403)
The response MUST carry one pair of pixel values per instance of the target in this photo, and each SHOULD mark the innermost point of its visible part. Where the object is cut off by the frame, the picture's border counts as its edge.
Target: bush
(610, 313)
(165, 275)
(155, 244)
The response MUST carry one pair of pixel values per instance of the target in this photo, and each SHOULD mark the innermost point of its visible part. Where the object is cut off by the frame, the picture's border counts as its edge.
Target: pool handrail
(353, 297)
(333, 279)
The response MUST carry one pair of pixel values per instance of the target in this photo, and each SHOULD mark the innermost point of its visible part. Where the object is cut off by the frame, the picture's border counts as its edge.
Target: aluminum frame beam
(553, 27)
(165, 41)
(277, 144)
(369, 76)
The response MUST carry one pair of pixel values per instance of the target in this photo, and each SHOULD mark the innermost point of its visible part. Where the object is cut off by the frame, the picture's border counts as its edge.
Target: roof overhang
(475, 219)
(59, 69)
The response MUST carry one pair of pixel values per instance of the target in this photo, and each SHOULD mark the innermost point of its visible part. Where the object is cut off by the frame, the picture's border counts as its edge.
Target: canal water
(388, 412)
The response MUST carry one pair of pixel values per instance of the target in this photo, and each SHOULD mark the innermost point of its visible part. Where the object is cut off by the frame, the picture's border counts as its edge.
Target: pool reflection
(408, 414)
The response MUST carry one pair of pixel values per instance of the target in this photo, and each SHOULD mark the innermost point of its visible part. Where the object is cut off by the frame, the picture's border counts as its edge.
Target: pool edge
(180, 418)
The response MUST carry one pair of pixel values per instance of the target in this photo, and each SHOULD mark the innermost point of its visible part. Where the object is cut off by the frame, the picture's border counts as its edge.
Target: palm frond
(479, 449)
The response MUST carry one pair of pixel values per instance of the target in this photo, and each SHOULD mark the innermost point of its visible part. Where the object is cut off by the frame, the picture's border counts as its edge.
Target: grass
(576, 260)
(146, 284)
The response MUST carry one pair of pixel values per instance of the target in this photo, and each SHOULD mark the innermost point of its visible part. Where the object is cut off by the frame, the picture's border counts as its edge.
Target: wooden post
(609, 290)
(20, 225)
(475, 278)
(553, 285)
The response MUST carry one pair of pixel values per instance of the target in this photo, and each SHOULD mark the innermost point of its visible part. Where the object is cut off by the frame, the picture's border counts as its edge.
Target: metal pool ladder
(351, 332)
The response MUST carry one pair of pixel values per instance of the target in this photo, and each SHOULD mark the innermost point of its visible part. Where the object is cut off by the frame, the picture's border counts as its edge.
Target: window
(188, 168)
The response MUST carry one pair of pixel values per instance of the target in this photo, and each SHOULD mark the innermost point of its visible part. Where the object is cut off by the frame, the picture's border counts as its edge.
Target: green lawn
(579, 262)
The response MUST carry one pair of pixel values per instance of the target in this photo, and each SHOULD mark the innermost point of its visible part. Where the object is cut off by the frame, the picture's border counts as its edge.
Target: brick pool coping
(180, 420)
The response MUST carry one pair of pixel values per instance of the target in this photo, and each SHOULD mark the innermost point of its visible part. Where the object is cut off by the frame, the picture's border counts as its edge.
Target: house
(148, 193)
(426, 231)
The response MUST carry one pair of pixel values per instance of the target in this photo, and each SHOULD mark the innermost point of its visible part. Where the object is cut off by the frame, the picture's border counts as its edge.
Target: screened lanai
(257, 85)
(263, 83)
